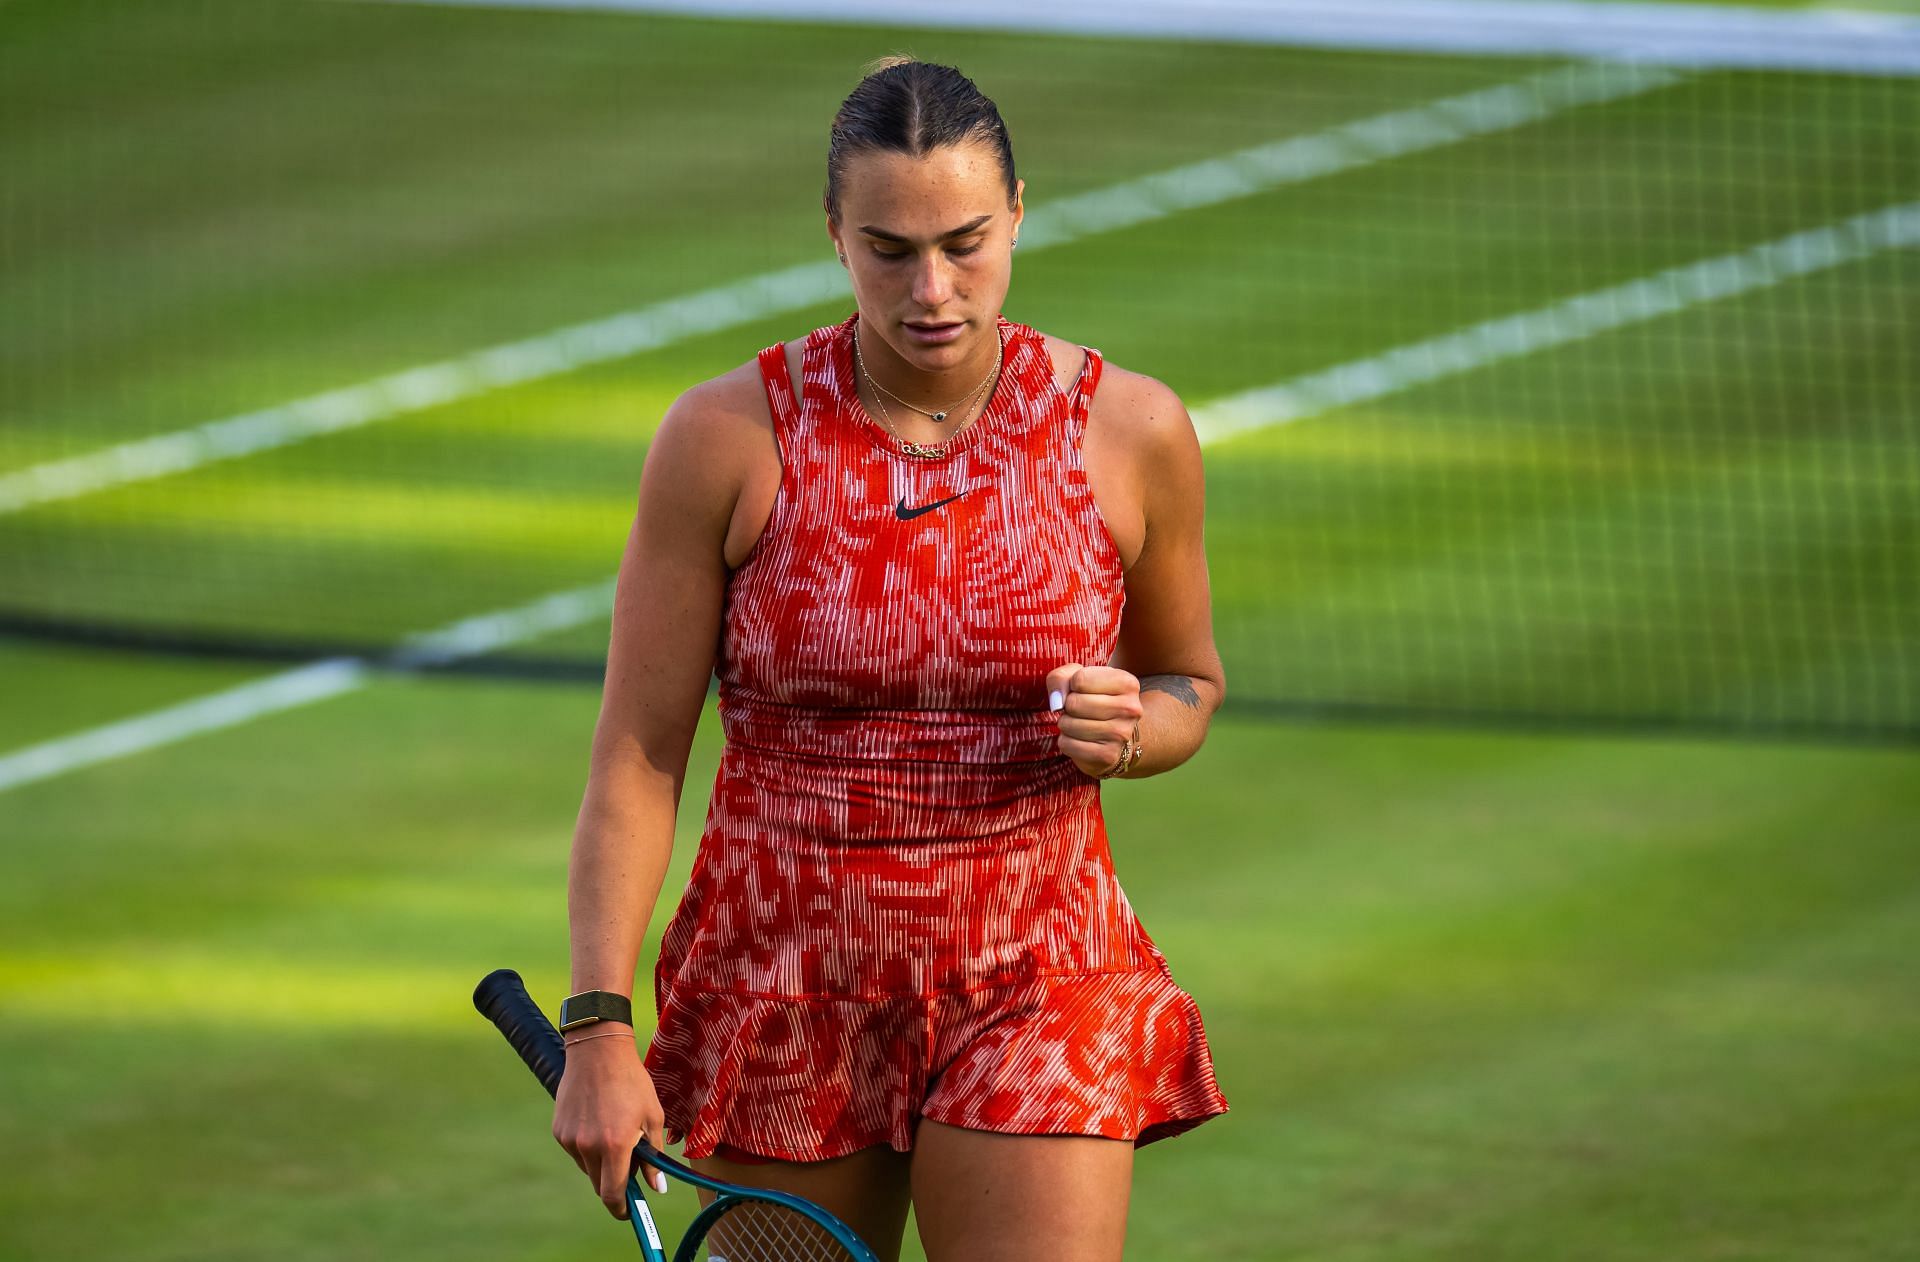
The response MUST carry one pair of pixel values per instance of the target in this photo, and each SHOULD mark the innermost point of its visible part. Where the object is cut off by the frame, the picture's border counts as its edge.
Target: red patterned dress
(903, 904)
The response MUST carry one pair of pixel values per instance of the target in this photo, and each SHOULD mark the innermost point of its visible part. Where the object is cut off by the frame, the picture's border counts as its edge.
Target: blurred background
(1550, 881)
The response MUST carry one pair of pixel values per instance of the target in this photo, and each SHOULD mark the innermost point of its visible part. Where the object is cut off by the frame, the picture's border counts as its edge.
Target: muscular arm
(666, 625)
(1166, 632)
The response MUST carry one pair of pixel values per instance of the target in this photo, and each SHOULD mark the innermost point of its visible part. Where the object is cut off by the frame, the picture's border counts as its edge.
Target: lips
(943, 334)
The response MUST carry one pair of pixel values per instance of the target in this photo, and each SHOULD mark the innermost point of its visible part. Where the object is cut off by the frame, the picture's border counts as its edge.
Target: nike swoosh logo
(904, 513)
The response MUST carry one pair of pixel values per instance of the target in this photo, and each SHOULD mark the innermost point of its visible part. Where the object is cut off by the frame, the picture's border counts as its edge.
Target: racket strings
(761, 1231)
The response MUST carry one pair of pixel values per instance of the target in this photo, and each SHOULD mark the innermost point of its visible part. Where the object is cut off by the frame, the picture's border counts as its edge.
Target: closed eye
(901, 254)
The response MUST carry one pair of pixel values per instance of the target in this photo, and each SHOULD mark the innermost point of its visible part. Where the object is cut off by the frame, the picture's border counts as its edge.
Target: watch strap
(590, 1006)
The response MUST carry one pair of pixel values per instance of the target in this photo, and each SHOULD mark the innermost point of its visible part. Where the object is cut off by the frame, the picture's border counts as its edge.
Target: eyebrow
(961, 231)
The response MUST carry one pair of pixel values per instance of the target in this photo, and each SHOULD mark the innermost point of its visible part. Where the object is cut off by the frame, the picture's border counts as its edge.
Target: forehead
(948, 186)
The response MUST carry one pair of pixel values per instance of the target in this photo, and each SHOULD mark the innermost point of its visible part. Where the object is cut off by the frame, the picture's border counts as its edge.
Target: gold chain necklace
(928, 450)
(943, 413)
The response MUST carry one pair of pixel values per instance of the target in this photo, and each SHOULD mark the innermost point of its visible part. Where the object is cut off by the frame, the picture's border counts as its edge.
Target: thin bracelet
(610, 1034)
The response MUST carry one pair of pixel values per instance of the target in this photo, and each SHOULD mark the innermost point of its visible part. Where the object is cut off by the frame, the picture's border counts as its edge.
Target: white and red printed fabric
(904, 904)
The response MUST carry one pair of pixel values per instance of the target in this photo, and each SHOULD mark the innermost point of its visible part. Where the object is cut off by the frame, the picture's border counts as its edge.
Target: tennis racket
(742, 1224)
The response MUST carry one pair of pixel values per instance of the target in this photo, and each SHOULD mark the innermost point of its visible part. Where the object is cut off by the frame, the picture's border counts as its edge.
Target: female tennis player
(950, 574)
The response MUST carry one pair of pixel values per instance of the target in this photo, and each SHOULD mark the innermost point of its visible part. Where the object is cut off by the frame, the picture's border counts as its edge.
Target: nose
(932, 282)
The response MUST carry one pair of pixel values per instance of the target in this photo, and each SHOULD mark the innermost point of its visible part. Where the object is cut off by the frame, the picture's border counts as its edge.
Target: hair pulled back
(912, 107)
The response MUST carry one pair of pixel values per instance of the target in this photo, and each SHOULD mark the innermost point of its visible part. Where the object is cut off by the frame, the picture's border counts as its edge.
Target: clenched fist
(1099, 709)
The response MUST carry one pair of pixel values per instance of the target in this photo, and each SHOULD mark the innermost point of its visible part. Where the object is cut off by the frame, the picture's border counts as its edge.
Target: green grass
(1472, 995)
(302, 196)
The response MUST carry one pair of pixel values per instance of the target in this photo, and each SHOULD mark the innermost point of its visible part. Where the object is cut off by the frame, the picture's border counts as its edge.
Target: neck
(931, 388)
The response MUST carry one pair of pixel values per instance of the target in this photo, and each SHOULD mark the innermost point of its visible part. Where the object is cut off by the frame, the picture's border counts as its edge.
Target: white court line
(303, 685)
(1257, 169)
(1662, 293)
(1569, 320)
(1702, 36)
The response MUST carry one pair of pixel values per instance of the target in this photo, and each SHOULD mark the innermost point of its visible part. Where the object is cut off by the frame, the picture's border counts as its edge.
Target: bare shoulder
(1068, 359)
(709, 436)
(735, 397)
(1130, 406)
(1143, 413)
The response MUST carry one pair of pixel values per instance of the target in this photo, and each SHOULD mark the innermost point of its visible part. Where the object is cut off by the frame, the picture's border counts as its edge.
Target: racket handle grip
(502, 998)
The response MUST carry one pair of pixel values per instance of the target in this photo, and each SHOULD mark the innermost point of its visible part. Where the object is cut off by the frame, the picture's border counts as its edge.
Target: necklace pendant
(939, 416)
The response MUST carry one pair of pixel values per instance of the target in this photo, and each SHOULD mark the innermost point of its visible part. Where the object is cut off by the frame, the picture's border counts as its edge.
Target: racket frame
(502, 998)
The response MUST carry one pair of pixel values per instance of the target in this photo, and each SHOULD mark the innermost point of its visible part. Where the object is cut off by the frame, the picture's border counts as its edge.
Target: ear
(1019, 204)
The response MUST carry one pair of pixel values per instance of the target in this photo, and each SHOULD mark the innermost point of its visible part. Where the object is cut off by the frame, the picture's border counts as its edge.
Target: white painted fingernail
(659, 1182)
(1054, 697)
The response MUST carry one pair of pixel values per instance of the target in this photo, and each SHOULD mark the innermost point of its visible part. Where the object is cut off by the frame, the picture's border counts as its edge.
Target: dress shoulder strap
(779, 388)
(1081, 399)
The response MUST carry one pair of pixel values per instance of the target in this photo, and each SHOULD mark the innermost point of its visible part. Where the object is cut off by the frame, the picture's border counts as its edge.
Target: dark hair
(912, 107)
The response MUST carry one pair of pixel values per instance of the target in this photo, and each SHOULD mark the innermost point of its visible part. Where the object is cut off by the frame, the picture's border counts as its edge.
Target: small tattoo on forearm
(1174, 685)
